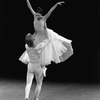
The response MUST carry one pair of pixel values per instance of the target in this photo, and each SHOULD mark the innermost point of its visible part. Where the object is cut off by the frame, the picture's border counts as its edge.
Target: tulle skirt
(24, 58)
(58, 49)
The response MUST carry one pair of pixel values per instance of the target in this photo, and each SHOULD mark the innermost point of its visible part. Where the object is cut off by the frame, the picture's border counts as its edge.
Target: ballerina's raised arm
(30, 7)
(51, 10)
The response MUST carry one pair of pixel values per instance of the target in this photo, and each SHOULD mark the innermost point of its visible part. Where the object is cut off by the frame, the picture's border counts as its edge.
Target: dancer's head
(29, 40)
(39, 13)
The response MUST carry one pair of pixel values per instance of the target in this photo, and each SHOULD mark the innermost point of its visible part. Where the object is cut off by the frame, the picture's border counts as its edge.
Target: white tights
(37, 91)
(39, 79)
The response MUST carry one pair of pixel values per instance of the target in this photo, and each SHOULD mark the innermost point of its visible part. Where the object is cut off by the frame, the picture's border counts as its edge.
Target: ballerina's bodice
(39, 24)
(40, 28)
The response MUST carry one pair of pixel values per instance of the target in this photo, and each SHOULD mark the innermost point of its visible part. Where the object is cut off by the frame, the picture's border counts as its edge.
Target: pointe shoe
(44, 72)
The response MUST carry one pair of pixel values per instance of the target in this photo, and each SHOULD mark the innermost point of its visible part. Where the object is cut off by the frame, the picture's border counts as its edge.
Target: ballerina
(48, 46)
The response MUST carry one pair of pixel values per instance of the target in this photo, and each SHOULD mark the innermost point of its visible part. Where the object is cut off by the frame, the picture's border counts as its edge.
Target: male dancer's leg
(29, 79)
(39, 80)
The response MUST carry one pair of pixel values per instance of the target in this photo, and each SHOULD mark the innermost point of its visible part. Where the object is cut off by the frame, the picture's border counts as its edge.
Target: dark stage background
(77, 20)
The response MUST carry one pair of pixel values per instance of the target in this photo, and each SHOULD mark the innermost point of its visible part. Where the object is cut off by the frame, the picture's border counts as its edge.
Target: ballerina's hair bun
(39, 10)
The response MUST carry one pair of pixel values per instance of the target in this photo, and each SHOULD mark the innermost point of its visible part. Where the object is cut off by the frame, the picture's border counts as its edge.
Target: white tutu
(30, 55)
(56, 49)
(24, 58)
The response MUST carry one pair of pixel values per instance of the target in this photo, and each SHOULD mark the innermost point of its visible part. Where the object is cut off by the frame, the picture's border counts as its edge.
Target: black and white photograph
(50, 50)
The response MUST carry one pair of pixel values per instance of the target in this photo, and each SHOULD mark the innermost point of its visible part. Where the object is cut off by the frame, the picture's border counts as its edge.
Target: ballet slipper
(44, 71)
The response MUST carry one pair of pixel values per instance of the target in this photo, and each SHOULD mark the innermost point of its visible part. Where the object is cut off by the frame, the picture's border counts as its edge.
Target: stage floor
(14, 90)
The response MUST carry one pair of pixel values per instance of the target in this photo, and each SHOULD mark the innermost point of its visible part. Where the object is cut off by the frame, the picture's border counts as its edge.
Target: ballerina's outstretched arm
(30, 7)
(50, 11)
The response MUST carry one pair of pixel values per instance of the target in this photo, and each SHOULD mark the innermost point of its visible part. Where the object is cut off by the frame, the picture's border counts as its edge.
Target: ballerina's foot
(44, 71)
